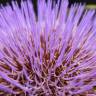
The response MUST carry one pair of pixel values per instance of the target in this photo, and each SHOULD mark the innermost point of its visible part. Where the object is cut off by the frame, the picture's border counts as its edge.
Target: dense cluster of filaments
(52, 54)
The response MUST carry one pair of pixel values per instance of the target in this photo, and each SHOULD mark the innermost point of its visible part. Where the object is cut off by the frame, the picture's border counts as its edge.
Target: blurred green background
(89, 3)
(83, 1)
(92, 2)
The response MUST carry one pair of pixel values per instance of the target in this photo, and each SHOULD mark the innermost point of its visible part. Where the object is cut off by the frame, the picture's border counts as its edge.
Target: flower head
(51, 54)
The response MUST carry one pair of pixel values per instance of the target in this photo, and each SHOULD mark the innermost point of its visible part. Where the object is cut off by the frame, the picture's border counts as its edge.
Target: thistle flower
(51, 54)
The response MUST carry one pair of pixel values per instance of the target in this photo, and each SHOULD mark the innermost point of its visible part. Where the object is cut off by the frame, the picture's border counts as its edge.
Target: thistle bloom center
(51, 53)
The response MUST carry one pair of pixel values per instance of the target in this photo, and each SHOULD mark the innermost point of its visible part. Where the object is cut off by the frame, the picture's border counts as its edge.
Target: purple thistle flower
(53, 54)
